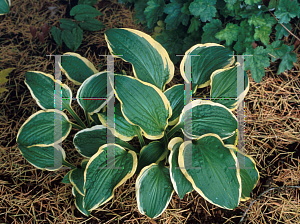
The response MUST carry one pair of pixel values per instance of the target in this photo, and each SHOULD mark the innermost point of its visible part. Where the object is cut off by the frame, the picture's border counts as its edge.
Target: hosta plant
(194, 143)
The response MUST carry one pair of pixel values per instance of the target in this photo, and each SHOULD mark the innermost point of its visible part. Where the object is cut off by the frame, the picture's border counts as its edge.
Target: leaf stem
(75, 116)
(140, 137)
(65, 163)
(165, 140)
(87, 118)
(165, 153)
(128, 146)
(76, 126)
(173, 130)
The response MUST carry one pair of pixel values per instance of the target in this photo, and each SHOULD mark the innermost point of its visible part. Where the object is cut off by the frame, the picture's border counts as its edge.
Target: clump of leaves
(238, 23)
(71, 32)
(193, 147)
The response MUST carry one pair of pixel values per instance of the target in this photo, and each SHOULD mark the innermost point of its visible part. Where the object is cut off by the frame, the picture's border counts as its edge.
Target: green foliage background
(234, 23)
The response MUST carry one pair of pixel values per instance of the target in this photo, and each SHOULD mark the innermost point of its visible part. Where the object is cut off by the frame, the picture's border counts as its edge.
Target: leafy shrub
(72, 34)
(144, 108)
(236, 22)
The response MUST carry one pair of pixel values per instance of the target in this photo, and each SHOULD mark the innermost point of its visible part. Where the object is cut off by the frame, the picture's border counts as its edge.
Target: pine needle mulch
(28, 195)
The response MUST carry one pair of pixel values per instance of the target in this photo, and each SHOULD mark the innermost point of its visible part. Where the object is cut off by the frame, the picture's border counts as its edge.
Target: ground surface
(28, 195)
